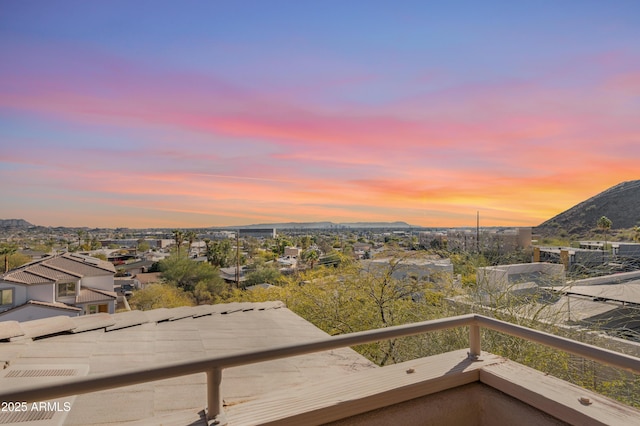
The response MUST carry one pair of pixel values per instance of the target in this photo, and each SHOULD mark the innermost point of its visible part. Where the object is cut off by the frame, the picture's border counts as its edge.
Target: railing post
(474, 340)
(214, 395)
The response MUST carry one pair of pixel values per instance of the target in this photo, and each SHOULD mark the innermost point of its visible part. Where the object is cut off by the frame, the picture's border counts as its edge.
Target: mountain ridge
(620, 203)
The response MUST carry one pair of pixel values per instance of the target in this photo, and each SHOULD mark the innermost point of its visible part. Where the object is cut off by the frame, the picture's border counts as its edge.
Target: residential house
(66, 284)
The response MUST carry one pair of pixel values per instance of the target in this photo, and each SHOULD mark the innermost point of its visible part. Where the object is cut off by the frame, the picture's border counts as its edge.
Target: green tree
(100, 256)
(279, 244)
(178, 236)
(604, 224)
(264, 274)
(95, 244)
(311, 256)
(156, 296)
(191, 236)
(305, 242)
(220, 253)
(81, 234)
(185, 273)
(143, 246)
(7, 250)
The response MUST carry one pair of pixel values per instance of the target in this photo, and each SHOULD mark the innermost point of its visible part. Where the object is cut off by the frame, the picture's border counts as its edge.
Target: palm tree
(81, 234)
(178, 236)
(604, 223)
(311, 256)
(7, 250)
(191, 237)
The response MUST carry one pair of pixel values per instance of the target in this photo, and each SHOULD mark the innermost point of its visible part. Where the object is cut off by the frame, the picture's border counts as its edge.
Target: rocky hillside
(14, 223)
(620, 203)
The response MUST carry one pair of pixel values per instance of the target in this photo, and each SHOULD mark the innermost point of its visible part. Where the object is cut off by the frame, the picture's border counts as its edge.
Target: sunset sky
(213, 113)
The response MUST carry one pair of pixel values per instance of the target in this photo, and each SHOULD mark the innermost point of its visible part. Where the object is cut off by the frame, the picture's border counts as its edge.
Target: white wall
(42, 293)
(103, 282)
(19, 292)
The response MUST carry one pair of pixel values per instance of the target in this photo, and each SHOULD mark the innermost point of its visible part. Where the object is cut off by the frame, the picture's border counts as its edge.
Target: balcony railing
(213, 366)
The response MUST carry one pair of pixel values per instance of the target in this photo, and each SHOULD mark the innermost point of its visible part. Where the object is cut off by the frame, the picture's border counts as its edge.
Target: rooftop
(276, 368)
(61, 267)
(102, 343)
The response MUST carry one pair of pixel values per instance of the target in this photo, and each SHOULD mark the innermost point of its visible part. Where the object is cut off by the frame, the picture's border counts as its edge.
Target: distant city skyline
(199, 113)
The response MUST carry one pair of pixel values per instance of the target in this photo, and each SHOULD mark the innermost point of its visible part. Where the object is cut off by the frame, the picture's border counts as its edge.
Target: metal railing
(213, 366)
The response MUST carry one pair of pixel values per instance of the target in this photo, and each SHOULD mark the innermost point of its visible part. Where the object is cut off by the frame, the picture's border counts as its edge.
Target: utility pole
(238, 258)
(478, 231)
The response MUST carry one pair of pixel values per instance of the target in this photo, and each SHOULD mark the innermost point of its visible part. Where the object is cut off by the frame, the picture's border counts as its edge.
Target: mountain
(620, 203)
(15, 223)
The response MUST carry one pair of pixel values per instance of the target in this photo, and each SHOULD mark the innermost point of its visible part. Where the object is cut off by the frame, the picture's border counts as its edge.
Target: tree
(220, 253)
(143, 246)
(311, 256)
(264, 274)
(185, 273)
(100, 256)
(178, 236)
(156, 296)
(7, 250)
(81, 234)
(604, 224)
(191, 236)
(279, 245)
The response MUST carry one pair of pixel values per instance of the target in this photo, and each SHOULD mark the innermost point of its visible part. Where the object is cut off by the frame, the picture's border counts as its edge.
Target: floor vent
(42, 373)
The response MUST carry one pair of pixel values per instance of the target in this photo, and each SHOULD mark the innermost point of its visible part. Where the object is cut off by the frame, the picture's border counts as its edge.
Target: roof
(53, 305)
(117, 342)
(136, 265)
(628, 292)
(87, 295)
(57, 268)
(149, 278)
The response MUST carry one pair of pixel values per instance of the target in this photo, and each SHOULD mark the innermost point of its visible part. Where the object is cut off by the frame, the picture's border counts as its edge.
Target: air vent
(42, 373)
(9, 418)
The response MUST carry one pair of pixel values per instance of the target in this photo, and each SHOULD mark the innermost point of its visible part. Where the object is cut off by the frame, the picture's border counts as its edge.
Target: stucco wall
(470, 405)
(103, 282)
(19, 293)
(42, 293)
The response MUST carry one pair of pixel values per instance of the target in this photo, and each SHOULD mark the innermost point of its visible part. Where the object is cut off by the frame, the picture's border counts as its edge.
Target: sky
(218, 113)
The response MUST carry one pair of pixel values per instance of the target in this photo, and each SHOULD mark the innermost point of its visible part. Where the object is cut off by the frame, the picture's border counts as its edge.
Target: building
(259, 363)
(292, 252)
(65, 284)
(572, 258)
(257, 232)
(499, 240)
(431, 239)
(522, 276)
(432, 269)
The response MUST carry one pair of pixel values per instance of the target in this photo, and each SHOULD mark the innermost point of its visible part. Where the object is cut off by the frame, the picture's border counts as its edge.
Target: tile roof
(62, 267)
(137, 339)
(53, 305)
(149, 278)
(25, 277)
(94, 295)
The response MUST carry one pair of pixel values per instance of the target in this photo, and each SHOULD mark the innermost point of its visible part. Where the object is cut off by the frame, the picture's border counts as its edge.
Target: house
(65, 284)
(433, 269)
(148, 278)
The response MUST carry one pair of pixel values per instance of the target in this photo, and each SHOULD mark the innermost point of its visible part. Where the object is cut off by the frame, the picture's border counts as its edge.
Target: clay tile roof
(94, 295)
(24, 277)
(65, 267)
